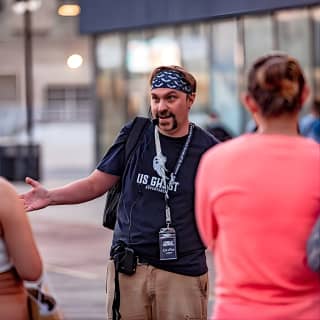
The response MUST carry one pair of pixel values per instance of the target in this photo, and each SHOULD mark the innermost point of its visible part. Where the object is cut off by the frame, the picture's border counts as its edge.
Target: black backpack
(112, 200)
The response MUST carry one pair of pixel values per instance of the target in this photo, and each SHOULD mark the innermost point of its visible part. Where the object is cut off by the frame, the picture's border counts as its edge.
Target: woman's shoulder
(229, 148)
(6, 189)
(9, 197)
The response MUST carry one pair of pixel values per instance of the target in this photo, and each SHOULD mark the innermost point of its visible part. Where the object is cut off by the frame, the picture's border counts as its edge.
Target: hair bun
(289, 89)
(280, 75)
(276, 82)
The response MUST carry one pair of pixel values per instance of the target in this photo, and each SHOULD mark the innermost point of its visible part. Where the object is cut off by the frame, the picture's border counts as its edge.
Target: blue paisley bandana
(171, 79)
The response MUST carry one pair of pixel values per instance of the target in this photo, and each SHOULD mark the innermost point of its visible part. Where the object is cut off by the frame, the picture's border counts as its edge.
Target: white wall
(54, 39)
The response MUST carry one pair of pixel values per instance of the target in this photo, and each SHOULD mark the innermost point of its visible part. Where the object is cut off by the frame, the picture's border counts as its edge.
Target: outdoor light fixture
(74, 61)
(69, 8)
(21, 6)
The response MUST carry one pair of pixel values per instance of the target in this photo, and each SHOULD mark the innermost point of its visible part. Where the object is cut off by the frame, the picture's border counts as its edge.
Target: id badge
(167, 244)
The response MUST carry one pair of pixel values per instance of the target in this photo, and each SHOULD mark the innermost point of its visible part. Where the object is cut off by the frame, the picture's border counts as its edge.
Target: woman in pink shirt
(257, 198)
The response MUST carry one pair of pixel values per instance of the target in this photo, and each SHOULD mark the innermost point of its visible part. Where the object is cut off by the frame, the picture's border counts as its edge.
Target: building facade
(216, 40)
(59, 92)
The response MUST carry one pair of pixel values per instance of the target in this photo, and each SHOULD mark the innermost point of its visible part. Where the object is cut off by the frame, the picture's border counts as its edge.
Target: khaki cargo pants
(154, 294)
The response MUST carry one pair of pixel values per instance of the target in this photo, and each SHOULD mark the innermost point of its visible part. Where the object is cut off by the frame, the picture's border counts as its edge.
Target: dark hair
(187, 75)
(276, 82)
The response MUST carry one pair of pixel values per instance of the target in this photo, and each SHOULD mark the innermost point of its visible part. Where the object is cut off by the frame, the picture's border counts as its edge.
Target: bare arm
(91, 187)
(17, 234)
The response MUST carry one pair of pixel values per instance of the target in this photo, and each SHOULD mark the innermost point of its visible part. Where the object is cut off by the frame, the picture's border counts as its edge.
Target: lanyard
(161, 159)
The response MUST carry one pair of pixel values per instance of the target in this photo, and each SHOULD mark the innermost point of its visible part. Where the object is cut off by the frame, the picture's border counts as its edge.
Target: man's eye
(171, 98)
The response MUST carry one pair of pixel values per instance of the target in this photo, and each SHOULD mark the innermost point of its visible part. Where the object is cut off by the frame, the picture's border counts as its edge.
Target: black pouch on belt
(125, 260)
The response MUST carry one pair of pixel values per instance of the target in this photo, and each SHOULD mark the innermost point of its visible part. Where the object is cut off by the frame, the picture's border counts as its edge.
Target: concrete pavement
(74, 248)
(75, 257)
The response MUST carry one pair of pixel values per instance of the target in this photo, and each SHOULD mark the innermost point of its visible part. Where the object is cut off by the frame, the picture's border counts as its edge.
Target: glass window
(224, 91)
(294, 25)
(316, 53)
(294, 38)
(138, 67)
(145, 51)
(109, 52)
(67, 103)
(193, 40)
(164, 48)
(111, 97)
(258, 38)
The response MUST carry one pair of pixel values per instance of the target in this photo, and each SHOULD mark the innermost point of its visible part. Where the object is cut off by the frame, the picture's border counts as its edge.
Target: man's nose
(162, 105)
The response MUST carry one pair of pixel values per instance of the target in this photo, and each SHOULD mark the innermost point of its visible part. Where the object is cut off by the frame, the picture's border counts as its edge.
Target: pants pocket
(110, 275)
(203, 285)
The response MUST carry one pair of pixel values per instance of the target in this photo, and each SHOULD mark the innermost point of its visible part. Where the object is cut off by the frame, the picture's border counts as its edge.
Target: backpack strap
(138, 127)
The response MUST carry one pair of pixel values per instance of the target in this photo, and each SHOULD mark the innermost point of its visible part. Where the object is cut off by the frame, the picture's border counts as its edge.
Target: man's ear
(190, 99)
(249, 103)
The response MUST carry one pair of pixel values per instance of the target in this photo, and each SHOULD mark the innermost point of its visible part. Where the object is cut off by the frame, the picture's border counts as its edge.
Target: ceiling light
(69, 10)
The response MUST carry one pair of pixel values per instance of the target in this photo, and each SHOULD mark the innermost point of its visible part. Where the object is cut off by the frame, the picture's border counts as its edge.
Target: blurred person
(218, 129)
(19, 257)
(310, 123)
(257, 199)
(156, 210)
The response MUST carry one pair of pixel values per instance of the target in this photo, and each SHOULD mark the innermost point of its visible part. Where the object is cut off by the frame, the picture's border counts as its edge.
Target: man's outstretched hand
(37, 198)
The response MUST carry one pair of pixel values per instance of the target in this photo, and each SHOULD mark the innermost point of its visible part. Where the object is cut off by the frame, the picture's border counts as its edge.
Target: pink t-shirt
(257, 198)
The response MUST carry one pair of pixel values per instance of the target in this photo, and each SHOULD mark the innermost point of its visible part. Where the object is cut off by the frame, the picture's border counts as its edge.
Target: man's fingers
(28, 207)
(33, 183)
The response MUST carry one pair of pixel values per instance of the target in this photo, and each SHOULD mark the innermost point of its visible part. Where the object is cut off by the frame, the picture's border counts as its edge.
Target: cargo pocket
(203, 286)
(110, 274)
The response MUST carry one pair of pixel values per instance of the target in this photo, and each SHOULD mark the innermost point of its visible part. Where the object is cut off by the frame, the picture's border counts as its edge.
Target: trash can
(19, 160)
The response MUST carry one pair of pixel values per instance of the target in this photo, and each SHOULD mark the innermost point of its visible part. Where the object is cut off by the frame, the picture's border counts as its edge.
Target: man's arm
(91, 187)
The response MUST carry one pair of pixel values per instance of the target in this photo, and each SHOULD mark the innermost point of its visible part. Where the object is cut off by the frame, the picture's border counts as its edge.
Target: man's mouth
(164, 115)
(161, 120)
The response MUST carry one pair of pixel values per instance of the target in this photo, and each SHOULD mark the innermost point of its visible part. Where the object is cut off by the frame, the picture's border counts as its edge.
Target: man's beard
(166, 115)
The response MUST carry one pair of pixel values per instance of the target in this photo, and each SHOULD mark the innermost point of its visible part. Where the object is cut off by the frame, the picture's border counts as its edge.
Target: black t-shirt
(141, 211)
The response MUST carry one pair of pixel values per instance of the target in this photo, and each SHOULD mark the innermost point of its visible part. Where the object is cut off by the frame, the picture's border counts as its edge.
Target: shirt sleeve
(113, 162)
(205, 218)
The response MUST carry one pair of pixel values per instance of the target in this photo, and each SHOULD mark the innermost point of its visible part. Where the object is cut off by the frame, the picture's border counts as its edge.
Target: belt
(142, 260)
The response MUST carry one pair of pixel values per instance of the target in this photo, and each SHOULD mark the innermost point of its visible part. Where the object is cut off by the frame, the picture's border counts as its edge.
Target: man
(218, 129)
(156, 211)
